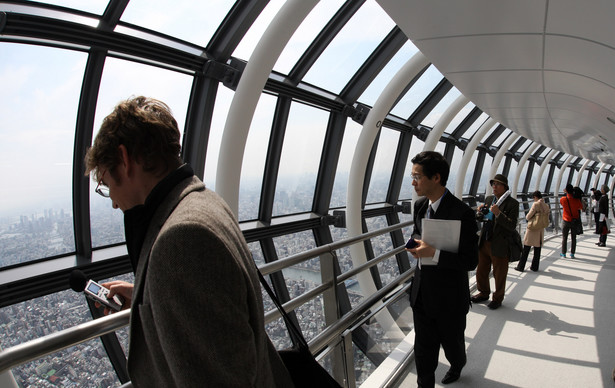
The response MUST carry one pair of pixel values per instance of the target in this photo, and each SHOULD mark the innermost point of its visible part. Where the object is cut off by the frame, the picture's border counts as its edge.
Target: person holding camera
(499, 216)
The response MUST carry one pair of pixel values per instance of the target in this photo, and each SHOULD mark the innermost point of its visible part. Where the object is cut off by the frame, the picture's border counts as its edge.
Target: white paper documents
(440, 234)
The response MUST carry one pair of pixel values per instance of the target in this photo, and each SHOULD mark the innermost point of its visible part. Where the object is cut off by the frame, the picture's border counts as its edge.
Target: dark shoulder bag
(304, 370)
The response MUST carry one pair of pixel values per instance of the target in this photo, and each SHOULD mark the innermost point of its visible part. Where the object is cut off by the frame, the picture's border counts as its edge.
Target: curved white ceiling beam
(249, 89)
(522, 161)
(597, 177)
(580, 174)
(497, 159)
(556, 190)
(468, 153)
(356, 178)
(436, 132)
(543, 166)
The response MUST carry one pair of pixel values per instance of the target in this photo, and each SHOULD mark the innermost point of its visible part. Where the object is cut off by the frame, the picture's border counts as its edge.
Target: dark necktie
(430, 212)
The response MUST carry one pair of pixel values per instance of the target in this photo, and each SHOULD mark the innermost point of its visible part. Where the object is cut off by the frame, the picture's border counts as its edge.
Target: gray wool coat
(197, 313)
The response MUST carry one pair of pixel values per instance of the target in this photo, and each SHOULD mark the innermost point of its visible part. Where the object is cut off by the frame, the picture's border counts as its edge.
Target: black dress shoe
(518, 269)
(451, 376)
(494, 305)
(479, 298)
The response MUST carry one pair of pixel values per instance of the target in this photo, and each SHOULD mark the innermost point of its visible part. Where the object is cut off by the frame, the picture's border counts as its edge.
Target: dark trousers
(602, 236)
(568, 228)
(525, 254)
(500, 271)
(597, 221)
(431, 332)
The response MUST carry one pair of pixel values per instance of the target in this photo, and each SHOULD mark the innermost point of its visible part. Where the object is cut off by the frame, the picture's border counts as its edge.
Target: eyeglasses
(101, 188)
(416, 177)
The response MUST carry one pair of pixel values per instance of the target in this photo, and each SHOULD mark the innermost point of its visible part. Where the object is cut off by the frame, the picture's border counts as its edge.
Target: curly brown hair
(148, 130)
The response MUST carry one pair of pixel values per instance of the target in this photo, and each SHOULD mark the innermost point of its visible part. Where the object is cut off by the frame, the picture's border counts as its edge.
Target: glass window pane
(484, 177)
(253, 166)
(407, 190)
(383, 166)
(306, 33)
(254, 34)
(121, 80)
(437, 112)
(38, 106)
(192, 21)
(476, 125)
(83, 365)
(459, 117)
(350, 48)
(349, 144)
(300, 159)
(375, 88)
(417, 93)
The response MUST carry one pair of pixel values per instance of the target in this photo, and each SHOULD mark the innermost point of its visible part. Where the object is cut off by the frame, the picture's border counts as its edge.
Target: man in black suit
(440, 292)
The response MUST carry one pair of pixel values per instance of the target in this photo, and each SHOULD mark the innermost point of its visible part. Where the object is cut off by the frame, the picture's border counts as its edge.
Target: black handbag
(304, 370)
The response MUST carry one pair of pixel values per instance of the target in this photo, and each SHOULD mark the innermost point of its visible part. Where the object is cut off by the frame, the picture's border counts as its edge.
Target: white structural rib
(356, 179)
(249, 89)
(543, 167)
(468, 153)
(520, 169)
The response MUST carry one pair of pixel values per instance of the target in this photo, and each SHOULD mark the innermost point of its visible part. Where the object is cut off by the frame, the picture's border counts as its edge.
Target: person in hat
(499, 215)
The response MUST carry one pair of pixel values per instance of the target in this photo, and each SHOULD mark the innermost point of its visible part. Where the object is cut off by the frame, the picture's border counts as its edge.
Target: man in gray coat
(197, 315)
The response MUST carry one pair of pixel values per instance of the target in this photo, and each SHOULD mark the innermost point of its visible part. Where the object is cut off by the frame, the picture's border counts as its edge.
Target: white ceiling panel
(543, 69)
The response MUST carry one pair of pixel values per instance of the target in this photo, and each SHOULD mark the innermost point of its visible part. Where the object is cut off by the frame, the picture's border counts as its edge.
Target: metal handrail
(31, 350)
(54, 342)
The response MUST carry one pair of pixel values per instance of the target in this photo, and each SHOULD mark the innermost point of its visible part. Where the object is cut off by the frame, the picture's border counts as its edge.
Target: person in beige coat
(533, 238)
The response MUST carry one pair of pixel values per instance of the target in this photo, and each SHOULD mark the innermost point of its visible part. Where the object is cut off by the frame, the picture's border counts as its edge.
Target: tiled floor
(556, 327)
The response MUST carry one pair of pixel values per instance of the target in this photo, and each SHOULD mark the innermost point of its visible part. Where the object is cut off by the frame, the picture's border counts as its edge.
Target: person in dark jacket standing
(603, 209)
(440, 293)
(500, 216)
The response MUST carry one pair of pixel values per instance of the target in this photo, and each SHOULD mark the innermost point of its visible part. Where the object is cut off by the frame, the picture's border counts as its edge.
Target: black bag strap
(290, 325)
(569, 208)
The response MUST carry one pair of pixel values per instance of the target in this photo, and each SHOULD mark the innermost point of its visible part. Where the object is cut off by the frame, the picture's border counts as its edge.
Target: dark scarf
(138, 218)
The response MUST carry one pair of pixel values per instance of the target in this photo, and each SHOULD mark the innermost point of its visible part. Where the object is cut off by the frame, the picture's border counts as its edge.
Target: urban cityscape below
(48, 232)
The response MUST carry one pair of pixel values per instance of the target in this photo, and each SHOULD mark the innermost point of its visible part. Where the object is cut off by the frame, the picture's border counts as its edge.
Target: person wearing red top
(571, 208)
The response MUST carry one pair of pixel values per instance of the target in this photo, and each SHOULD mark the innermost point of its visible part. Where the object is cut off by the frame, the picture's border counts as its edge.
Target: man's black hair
(433, 163)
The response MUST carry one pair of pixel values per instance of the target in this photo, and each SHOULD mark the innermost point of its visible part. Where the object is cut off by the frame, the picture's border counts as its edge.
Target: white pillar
(578, 182)
(468, 153)
(356, 178)
(522, 161)
(436, 132)
(597, 177)
(561, 174)
(249, 90)
(543, 166)
(498, 158)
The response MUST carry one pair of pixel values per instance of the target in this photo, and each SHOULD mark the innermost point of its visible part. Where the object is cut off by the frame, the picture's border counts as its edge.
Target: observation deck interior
(304, 116)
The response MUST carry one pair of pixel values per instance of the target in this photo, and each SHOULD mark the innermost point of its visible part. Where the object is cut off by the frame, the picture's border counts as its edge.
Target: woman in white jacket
(533, 238)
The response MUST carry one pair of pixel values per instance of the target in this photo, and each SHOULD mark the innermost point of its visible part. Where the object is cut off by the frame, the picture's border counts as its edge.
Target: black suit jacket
(444, 288)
